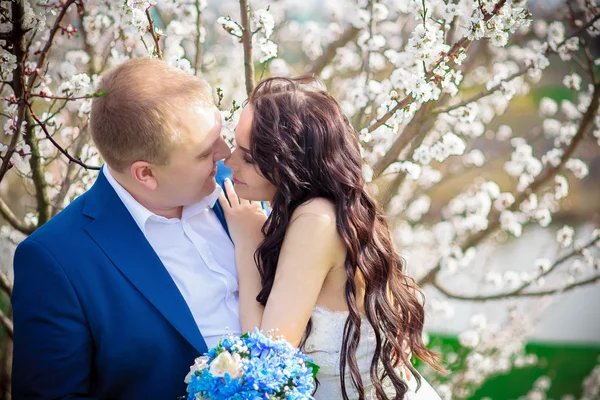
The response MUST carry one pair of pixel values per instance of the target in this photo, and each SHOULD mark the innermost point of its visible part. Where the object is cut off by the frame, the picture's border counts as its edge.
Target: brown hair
(135, 118)
(305, 146)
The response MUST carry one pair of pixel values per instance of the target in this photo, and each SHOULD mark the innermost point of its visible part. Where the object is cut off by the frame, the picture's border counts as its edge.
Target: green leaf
(315, 368)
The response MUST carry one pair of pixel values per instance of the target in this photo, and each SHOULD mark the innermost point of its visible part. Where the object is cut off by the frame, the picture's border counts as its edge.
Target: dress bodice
(324, 344)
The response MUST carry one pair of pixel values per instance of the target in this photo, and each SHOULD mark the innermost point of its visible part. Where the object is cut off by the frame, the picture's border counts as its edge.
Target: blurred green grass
(566, 365)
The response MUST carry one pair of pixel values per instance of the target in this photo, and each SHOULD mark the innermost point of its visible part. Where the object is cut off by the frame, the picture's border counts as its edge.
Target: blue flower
(271, 369)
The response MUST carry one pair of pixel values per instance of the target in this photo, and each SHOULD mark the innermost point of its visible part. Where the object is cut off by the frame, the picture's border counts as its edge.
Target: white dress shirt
(198, 255)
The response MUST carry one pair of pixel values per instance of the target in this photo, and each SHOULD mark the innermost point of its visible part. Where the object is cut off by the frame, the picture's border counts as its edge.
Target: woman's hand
(245, 218)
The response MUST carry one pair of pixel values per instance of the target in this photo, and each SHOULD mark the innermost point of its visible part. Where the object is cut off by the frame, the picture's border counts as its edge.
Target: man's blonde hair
(135, 119)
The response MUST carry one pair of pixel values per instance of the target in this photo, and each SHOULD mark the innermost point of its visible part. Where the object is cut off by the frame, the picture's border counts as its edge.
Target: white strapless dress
(324, 344)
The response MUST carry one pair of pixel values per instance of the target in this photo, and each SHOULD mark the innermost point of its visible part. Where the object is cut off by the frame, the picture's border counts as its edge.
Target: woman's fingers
(224, 202)
(231, 194)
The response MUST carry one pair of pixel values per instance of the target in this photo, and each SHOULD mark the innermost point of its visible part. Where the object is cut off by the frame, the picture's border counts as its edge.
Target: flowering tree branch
(58, 146)
(247, 43)
(71, 172)
(462, 44)
(400, 143)
(21, 89)
(329, 53)
(38, 173)
(494, 219)
(522, 71)
(521, 290)
(18, 41)
(153, 33)
(485, 93)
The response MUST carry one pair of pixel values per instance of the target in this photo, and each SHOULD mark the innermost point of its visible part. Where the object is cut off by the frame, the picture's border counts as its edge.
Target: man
(117, 295)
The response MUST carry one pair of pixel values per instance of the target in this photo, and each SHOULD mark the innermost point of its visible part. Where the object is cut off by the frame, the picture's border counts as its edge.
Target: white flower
(569, 110)
(264, 19)
(572, 81)
(450, 11)
(380, 12)
(504, 200)
(561, 187)
(499, 38)
(542, 265)
(469, 338)
(548, 107)
(230, 26)
(413, 171)
(422, 155)
(474, 157)
(509, 221)
(478, 321)
(553, 157)
(418, 207)
(543, 216)
(226, 363)
(564, 236)
(556, 34)
(504, 132)
(577, 167)
(454, 145)
(267, 49)
(199, 364)
(540, 28)
(438, 152)
(491, 188)
(367, 173)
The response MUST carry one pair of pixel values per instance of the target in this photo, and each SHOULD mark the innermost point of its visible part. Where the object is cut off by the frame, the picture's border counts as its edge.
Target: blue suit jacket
(96, 314)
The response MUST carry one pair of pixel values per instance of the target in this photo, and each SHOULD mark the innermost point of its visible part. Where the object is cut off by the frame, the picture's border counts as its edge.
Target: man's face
(190, 174)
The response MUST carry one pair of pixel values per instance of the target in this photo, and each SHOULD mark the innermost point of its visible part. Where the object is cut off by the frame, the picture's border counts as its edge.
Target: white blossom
(577, 167)
(564, 236)
(572, 81)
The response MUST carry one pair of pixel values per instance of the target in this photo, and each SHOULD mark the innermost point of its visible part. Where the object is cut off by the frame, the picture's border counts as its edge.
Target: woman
(321, 270)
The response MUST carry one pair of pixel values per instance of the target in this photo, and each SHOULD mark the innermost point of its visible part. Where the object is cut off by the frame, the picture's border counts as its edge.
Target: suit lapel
(115, 231)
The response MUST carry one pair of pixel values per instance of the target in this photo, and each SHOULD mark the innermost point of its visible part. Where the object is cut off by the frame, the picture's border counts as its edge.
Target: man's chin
(209, 186)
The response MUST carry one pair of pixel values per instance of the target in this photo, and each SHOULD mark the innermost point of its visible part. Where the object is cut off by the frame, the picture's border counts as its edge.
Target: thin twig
(59, 147)
(13, 220)
(519, 291)
(84, 97)
(153, 33)
(44, 54)
(594, 279)
(69, 175)
(483, 94)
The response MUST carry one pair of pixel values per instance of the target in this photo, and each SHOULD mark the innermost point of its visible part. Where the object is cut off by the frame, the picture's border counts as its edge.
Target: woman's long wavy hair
(304, 145)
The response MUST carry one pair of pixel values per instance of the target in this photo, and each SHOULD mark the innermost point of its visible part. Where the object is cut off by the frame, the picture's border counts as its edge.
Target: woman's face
(247, 179)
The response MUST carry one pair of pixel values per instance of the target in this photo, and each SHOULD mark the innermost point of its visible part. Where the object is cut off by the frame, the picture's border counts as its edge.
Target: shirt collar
(141, 214)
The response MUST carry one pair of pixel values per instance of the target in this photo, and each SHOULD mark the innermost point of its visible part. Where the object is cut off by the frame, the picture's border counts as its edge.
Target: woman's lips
(237, 182)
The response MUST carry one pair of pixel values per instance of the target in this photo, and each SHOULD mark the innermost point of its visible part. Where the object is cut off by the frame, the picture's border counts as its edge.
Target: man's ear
(143, 172)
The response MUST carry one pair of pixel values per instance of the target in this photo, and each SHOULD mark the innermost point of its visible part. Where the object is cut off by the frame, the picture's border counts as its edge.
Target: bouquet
(252, 366)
